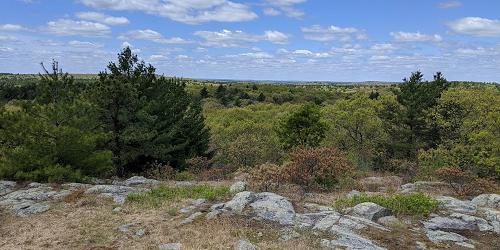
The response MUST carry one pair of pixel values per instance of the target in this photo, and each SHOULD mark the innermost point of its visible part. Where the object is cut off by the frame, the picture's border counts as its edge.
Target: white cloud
(382, 47)
(476, 26)
(285, 6)
(333, 33)
(68, 27)
(152, 35)
(253, 55)
(238, 38)
(80, 44)
(157, 58)
(11, 27)
(185, 11)
(102, 18)
(450, 5)
(415, 37)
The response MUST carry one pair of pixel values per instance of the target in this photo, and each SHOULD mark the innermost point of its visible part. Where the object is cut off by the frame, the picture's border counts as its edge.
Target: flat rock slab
(370, 211)
(456, 205)
(487, 200)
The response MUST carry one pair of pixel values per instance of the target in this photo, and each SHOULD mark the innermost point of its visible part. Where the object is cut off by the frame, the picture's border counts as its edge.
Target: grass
(412, 204)
(159, 196)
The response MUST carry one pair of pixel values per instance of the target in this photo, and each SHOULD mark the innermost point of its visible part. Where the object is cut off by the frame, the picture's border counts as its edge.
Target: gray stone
(140, 233)
(350, 240)
(273, 207)
(354, 222)
(456, 205)
(27, 208)
(187, 210)
(239, 202)
(34, 194)
(420, 245)
(6, 187)
(438, 236)
(238, 187)
(199, 202)
(327, 222)
(245, 245)
(117, 193)
(423, 186)
(217, 206)
(381, 183)
(492, 216)
(317, 207)
(466, 245)
(140, 181)
(370, 211)
(191, 218)
(457, 221)
(76, 186)
(35, 185)
(389, 221)
(117, 209)
(353, 193)
(213, 214)
(308, 220)
(170, 246)
(487, 200)
(125, 228)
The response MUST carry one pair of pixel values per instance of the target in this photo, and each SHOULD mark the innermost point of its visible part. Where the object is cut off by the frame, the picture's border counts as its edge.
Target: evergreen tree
(204, 93)
(261, 97)
(221, 94)
(54, 137)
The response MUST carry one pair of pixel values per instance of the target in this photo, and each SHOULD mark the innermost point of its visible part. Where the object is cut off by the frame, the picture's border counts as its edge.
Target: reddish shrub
(267, 176)
(161, 172)
(199, 164)
(215, 173)
(460, 181)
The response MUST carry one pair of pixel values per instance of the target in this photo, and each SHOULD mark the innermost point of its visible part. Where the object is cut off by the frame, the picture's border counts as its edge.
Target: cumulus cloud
(450, 5)
(11, 27)
(415, 37)
(87, 45)
(476, 26)
(151, 35)
(333, 33)
(185, 11)
(102, 18)
(68, 27)
(238, 38)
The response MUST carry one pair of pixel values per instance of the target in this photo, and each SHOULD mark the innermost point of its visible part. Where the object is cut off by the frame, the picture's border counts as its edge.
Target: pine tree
(204, 93)
(261, 97)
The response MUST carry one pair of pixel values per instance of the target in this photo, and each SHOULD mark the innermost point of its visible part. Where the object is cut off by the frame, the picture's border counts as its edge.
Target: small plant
(267, 176)
(160, 172)
(185, 176)
(320, 168)
(465, 183)
(413, 204)
(163, 195)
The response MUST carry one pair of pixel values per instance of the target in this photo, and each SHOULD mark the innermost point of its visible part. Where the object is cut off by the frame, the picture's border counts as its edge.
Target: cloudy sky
(335, 40)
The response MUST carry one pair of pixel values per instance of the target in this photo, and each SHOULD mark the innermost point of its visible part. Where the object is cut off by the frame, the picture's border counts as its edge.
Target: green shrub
(413, 204)
(185, 176)
(159, 196)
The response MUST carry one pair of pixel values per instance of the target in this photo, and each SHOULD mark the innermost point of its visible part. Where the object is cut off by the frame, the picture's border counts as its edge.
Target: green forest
(127, 120)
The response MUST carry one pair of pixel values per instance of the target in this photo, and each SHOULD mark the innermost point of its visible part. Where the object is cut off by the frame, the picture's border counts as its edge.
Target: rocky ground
(97, 216)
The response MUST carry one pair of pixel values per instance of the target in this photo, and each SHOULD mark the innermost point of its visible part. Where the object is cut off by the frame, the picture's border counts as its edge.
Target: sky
(300, 40)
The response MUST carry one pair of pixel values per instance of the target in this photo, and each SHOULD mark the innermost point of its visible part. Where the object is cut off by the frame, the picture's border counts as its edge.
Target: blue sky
(341, 40)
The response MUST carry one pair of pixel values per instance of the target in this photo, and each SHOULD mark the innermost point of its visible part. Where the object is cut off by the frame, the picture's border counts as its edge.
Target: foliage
(53, 137)
(159, 171)
(160, 196)
(465, 183)
(149, 118)
(185, 176)
(322, 168)
(302, 128)
(267, 176)
(198, 164)
(417, 204)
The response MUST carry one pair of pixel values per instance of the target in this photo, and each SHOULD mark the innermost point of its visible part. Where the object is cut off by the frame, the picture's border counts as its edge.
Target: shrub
(267, 176)
(198, 164)
(321, 168)
(159, 171)
(159, 196)
(413, 204)
(215, 173)
(465, 183)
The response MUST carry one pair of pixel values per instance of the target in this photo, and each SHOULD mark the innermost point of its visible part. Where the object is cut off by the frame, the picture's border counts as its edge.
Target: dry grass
(89, 223)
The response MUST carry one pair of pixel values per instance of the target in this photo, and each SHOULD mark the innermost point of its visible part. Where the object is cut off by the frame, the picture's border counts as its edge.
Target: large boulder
(456, 205)
(118, 193)
(370, 211)
(273, 207)
(492, 216)
(438, 236)
(350, 240)
(27, 208)
(487, 200)
(140, 181)
(457, 221)
(239, 202)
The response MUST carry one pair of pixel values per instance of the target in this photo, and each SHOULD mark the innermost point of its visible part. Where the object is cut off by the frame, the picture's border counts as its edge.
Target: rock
(199, 202)
(370, 211)
(273, 207)
(118, 193)
(420, 245)
(354, 222)
(308, 220)
(187, 210)
(191, 218)
(238, 187)
(6, 187)
(35, 185)
(245, 245)
(125, 228)
(353, 193)
(438, 236)
(493, 218)
(28, 208)
(288, 234)
(423, 186)
(389, 221)
(75, 186)
(170, 246)
(457, 221)
(140, 233)
(117, 209)
(350, 241)
(213, 214)
(239, 202)
(465, 244)
(381, 183)
(487, 200)
(317, 207)
(140, 181)
(327, 222)
(33, 194)
(217, 206)
(456, 205)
